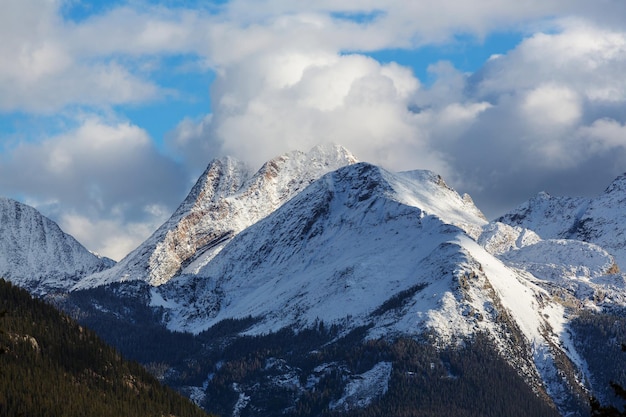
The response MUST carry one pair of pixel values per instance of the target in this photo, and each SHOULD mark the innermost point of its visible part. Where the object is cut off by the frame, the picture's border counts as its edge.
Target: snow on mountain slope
(551, 217)
(162, 254)
(604, 221)
(572, 276)
(341, 247)
(575, 271)
(583, 270)
(526, 318)
(37, 255)
(361, 391)
(318, 237)
(600, 220)
(225, 200)
(397, 251)
(498, 238)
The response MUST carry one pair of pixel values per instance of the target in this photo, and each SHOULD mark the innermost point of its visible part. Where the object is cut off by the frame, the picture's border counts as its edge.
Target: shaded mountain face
(37, 255)
(225, 200)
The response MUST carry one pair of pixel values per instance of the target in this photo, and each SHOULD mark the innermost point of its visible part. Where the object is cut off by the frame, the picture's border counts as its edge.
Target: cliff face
(225, 200)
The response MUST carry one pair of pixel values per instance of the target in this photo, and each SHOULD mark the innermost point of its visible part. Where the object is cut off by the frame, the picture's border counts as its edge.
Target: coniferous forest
(51, 366)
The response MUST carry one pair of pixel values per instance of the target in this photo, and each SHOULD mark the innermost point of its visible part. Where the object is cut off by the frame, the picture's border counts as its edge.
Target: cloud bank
(548, 114)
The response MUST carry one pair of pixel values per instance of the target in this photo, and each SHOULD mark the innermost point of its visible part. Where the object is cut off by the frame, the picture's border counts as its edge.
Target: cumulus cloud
(549, 113)
(50, 63)
(397, 23)
(555, 120)
(293, 100)
(102, 172)
(604, 135)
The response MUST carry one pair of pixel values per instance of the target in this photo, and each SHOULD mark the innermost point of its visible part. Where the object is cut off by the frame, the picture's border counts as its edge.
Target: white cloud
(604, 134)
(553, 82)
(106, 174)
(552, 105)
(317, 97)
(293, 74)
(585, 58)
(50, 64)
(113, 237)
(523, 112)
(554, 122)
(400, 23)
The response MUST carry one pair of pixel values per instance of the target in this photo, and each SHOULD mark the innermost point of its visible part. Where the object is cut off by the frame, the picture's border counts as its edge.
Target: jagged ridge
(600, 220)
(225, 200)
(287, 267)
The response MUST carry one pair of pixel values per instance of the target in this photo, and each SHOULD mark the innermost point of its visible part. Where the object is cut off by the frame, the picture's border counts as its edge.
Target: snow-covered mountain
(600, 220)
(405, 255)
(342, 246)
(572, 270)
(225, 200)
(37, 255)
(317, 242)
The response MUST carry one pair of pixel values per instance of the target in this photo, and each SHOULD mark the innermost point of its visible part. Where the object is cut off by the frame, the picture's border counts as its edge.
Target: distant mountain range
(35, 254)
(321, 285)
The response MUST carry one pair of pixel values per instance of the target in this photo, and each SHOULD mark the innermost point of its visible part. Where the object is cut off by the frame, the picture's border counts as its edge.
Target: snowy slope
(37, 255)
(341, 247)
(316, 236)
(604, 221)
(405, 254)
(578, 272)
(225, 200)
(600, 220)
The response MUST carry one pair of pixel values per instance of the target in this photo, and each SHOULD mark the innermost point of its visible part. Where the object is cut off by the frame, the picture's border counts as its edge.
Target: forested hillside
(51, 366)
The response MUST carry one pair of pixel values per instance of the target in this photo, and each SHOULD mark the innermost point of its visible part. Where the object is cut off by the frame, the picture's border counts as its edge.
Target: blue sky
(109, 110)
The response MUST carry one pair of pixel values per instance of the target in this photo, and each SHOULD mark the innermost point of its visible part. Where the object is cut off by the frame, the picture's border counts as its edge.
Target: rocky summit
(320, 285)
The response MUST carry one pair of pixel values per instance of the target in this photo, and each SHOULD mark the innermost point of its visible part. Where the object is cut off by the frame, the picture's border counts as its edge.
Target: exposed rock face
(225, 200)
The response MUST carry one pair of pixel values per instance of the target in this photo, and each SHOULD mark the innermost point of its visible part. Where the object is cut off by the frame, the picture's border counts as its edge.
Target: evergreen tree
(51, 366)
(2, 314)
(597, 410)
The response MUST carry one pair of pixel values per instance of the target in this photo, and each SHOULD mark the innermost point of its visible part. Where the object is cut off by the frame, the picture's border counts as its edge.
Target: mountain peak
(618, 185)
(225, 200)
(36, 254)
(223, 176)
(313, 164)
(598, 220)
(285, 268)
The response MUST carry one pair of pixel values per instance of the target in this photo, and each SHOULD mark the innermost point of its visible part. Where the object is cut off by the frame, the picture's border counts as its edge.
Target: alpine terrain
(35, 254)
(323, 286)
(225, 200)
